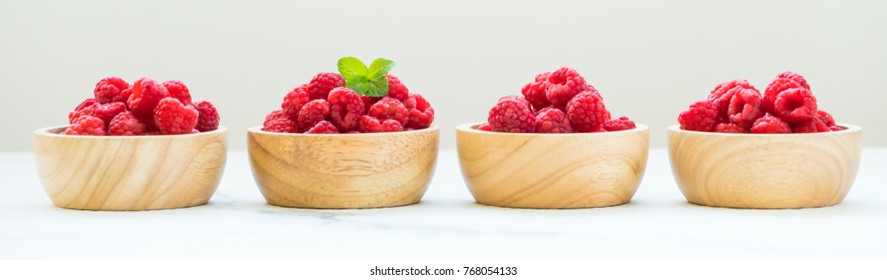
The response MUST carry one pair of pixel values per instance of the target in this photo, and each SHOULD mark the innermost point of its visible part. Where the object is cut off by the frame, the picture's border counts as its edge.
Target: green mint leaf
(379, 68)
(377, 87)
(359, 84)
(351, 68)
(366, 81)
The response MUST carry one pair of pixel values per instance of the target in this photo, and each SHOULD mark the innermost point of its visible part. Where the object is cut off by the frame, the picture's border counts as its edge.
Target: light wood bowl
(573, 170)
(766, 171)
(339, 171)
(130, 172)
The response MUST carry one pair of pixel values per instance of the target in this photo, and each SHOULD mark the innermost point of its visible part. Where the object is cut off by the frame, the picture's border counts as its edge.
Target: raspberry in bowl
(743, 149)
(354, 139)
(554, 147)
(140, 147)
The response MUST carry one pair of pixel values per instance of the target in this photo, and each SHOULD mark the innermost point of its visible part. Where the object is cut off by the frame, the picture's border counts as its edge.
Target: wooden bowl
(338, 171)
(130, 172)
(765, 170)
(532, 170)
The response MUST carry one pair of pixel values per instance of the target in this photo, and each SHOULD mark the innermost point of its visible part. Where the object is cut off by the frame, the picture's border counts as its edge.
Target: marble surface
(447, 224)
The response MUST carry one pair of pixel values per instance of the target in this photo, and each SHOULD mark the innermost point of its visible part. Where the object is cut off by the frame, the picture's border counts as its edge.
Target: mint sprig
(369, 81)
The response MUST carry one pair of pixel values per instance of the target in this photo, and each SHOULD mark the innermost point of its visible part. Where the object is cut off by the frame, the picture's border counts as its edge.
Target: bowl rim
(258, 130)
(469, 128)
(849, 128)
(46, 133)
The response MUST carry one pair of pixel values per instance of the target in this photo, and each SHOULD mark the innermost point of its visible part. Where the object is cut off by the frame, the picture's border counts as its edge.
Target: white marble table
(447, 224)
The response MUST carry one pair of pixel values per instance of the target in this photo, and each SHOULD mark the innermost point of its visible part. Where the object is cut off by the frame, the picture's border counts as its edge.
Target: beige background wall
(650, 59)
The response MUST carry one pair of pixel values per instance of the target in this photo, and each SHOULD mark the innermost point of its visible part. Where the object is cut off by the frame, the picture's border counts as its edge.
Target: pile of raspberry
(326, 106)
(787, 106)
(147, 107)
(555, 102)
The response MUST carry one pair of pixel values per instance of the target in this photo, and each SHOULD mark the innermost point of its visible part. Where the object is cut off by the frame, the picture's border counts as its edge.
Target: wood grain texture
(343, 170)
(576, 170)
(130, 172)
(765, 170)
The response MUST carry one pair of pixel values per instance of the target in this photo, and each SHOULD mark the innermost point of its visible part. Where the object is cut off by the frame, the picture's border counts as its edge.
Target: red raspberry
(812, 126)
(323, 127)
(563, 84)
(283, 125)
(512, 115)
(396, 89)
(421, 114)
(770, 124)
(173, 117)
(88, 110)
(369, 101)
(534, 92)
(702, 116)
(109, 90)
(836, 128)
(622, 123)
(389, 108)
(208, 118)
(729, 128)
(515, 98)
(587, 112)
(794, 77)
(126, 124)
(745, 107)
(312, 113)
(825, 117)
(485, 127)
(722, 94)
(86, 125)
(390, 125)
(773, 89)
(346, 107)
(370, 124)
(179, 90)
(86, 103)
(146, 93)
(294, 100)
(276, 114)
(108, 111)
(552, 120)
(795, 105)
(322, 83)
(123, 96)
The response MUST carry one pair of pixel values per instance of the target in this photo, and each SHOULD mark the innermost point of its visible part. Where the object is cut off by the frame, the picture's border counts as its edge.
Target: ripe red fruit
(321, 85)
(396, 89)
(701, 116)
(86, 125)
(745, 107)
(173, 117)
(346, 107)
(179, 90)
(563, 85)
(389, 108)
(796, 105)
(312, 113)
(512, 115)
(208, 118)
(622, 123)
(126, 124)
(294, 100)
(146, 93)
(770, 124)
(534, 92)
(323, 127)
(587, 112)
(552, 120)
(110, 89)
(421, 114)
